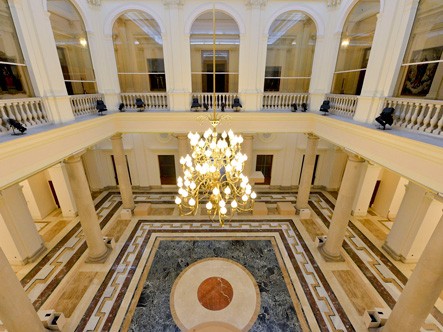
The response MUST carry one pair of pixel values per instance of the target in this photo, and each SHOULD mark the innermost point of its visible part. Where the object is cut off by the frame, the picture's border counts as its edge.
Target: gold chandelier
(212, 174)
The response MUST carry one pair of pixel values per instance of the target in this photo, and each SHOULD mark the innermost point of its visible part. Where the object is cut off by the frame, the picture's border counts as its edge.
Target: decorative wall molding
(333, 3)
(256, 3)
(173, 2)
(95, 2)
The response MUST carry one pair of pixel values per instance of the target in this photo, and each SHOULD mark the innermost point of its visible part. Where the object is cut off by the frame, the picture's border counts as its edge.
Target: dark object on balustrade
(222, 107)
(325, 107)
(294, 107)
(236, 106)
(140, 105)
(304, 107)
(386, 117)
(195, 106)
(101, 107)
(14, 124)
(206, 107)
(121, 107)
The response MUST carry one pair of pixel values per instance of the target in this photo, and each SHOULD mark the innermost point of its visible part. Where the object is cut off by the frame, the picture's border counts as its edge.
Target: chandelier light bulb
(223, 210)
(177, 200)
(244, 198)
(192, 202)
(192, 185)
(212, 169)
(222, 203)
(216, 191)
(184, 193)
(253, 195)
(227, 190)
(234, 204)
(209, 206)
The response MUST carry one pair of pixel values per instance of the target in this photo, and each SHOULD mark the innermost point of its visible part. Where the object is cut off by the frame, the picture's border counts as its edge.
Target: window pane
(421, 75)
(355, 47)
(291, 45)
(227, 40)
(14, 79)
(138, 47)
(72, 47)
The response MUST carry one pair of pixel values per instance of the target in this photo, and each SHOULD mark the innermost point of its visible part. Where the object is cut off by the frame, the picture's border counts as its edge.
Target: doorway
(221, 69)
(166, 164)
(264, 165)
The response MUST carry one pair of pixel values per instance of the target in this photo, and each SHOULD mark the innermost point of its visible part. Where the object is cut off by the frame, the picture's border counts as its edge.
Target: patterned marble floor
(298, 290)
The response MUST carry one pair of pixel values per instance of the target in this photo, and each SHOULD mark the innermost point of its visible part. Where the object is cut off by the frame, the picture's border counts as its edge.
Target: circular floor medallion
(215, 292)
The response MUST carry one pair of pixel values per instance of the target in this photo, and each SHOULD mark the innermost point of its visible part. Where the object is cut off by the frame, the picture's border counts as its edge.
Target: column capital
(352, 156)
(117, 136)
(95, 2)
(312, 136)
(76, 157)
(247, 136)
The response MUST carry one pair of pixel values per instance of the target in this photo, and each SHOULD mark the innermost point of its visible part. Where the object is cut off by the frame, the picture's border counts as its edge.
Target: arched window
(138, 50)
(14, 79)
(291, 45)
(355, 48)
(72, 47)
(421, 74)
(227, 42)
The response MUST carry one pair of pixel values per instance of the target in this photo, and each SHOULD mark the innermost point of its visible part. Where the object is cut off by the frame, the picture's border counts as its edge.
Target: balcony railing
(28, 111)
(153, 100)
(220, 97)
(283, 101)
(417, 114)
(85, 104)
(344, 105)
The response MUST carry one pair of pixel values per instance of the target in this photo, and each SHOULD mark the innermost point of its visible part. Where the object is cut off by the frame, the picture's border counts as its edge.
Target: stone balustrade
(283, 101)
(421, 115)
(28, 111)
(153, 100)
(206, 98)
(85, 104)
(343, 105)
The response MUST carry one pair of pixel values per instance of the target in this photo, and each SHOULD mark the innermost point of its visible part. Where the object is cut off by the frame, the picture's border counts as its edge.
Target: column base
(30, 259)
(391, 252)
(328, 257)
(100, 259)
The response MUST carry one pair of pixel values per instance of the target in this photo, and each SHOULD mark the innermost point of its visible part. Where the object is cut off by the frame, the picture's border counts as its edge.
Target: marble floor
(172, 273)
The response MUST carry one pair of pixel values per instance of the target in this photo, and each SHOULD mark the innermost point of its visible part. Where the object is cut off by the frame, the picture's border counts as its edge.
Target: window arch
(227, 42)
(355, 48)
(72, 47)
(138, 48)
(14, 78)
(421, 74)
(290, 53)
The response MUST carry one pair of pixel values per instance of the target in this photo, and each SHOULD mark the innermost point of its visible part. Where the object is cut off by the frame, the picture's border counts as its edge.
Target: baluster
(408, 115)
(416, 109)
(32, 110)
(40, 111)
(426, 109)
(427, 119)
(31, 115)
(403, 111)
(434, 119)
(22, 110)
(439, 116)
(3, 127)
(16, 112)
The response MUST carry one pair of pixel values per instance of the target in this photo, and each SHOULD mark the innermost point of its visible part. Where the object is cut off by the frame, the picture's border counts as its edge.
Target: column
(308, 170)
(365, 189)
(247, 149)
(423, 288)
(121, 167)
(416, 220)
(19, 238)
(250, 80)
(62, 187)
(342, 212)
(16, 310)
(391, 37)
(98, 252)
(38, 195)
(337, 164)
(390, 194)
(39, 50)
(177, 68)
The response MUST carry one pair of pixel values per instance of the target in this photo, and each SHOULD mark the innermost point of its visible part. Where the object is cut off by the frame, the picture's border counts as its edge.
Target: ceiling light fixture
(212, 174)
